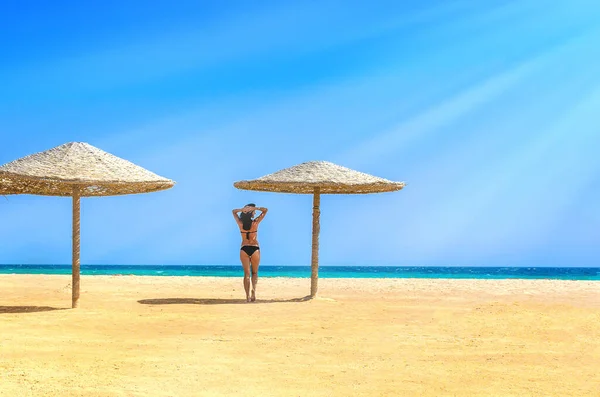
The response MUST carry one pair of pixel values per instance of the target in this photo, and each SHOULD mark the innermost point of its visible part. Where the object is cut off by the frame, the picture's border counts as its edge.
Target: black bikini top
(248, 233)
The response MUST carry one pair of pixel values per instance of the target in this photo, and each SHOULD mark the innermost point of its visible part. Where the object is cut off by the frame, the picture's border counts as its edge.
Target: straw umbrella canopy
(316, 178)
(77, 170)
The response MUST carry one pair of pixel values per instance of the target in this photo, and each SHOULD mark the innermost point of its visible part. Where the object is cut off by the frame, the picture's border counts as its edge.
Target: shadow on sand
(28, 309)
(213, 301)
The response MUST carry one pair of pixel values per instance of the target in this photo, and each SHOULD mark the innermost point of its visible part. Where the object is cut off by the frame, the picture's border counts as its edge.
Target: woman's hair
(246, 218)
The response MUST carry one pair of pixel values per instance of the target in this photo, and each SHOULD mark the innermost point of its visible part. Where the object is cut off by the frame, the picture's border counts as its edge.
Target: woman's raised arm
(263, 212)
(236, 217)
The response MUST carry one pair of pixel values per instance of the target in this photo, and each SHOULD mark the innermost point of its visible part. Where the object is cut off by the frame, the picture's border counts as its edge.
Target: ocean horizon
(325, 271)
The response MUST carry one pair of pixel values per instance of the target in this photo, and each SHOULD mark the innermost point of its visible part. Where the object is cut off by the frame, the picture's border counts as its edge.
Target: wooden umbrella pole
(316, 228)
(76, 245)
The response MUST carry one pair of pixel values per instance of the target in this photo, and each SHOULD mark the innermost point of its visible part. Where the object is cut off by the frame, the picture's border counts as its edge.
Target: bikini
(249, 249)
(248, 233)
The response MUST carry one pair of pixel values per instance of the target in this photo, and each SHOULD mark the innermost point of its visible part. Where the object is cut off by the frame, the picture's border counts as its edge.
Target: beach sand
(194, 336)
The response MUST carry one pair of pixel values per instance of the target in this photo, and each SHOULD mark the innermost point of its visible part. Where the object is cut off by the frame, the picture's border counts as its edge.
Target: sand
(195, 336)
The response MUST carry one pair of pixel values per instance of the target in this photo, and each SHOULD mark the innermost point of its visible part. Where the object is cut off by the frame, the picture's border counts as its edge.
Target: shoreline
(358, 281)
(294, 277)
(584, 292)
(325, 272)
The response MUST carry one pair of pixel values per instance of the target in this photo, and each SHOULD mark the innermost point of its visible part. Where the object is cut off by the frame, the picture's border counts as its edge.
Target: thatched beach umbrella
(77, 170)
(316, 178)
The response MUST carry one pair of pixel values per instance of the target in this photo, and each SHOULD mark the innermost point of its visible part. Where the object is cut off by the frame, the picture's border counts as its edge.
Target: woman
(250, 251)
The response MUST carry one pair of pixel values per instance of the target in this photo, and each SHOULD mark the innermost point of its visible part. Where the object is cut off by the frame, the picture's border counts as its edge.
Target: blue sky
(487, 110)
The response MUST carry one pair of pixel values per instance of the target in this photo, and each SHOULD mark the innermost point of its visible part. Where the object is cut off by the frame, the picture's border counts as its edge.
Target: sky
(488, 110)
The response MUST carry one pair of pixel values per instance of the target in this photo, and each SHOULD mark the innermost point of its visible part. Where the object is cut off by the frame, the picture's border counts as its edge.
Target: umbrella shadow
(27, 309)
(215, 301)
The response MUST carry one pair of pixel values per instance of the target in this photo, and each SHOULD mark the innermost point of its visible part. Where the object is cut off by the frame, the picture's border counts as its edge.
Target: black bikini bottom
(249, 249)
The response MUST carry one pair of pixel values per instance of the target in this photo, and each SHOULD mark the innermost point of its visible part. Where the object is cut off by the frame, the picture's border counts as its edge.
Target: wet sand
(196, 336)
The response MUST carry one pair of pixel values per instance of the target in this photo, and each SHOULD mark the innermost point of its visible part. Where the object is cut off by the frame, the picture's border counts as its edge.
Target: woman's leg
(245, 259)
(255, 262)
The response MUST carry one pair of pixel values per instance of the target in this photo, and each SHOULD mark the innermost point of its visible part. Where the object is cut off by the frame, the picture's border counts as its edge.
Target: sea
(449, 272)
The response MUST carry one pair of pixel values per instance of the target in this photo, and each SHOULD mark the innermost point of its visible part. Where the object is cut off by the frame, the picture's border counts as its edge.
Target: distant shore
(189, 336)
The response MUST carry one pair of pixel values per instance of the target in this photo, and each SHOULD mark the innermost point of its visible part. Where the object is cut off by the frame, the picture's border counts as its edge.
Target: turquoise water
(555, 273)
